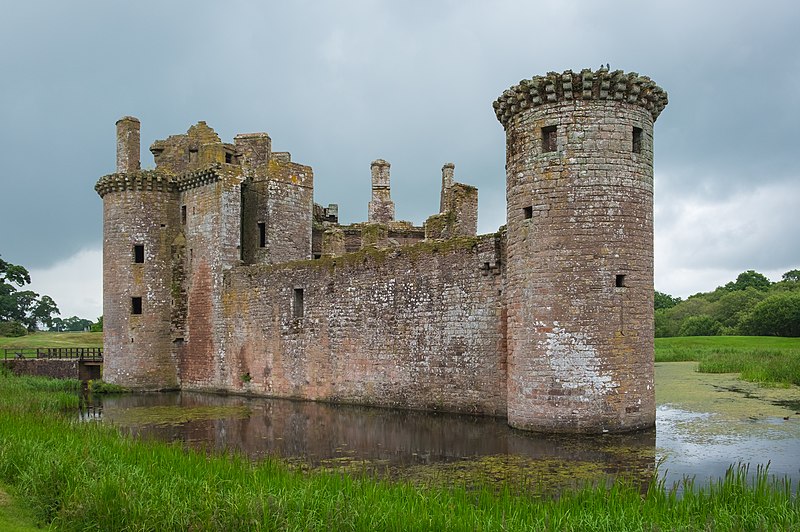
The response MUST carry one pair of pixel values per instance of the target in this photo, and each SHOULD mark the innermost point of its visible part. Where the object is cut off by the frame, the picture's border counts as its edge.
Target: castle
(221, 273)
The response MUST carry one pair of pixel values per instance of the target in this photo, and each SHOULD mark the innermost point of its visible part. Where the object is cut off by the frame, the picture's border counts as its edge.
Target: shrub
(12, 329)
(702, 325)
(778, 315)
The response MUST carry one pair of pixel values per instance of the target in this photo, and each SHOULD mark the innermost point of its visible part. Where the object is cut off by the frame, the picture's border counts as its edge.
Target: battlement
(139, 180)
(618, 86)
(205, 176)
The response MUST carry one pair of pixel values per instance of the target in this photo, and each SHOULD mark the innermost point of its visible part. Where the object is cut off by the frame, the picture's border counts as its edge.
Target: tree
(25, 306)
(792, 276)
(732, 306)
(749, 279)
(98, 325)
(12, 329)
(777, 315)
(10, 273)
(662, 300)
(76, 324)
(43, 311)
(702, 325)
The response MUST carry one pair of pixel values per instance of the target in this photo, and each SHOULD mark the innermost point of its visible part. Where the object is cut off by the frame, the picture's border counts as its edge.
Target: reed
(766, 360)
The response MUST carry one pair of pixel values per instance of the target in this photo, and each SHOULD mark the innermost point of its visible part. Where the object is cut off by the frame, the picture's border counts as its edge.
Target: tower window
(528, 212)
(548, 139)
(297, 303)
(192, 155)
(138, 253)
(619, 282)
(136, 305)
(637, 140)
(183, 214)
(262, 234)
(228, 158)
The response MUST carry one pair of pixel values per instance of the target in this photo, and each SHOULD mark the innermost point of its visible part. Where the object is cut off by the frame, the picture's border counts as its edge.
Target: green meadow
(54, 339)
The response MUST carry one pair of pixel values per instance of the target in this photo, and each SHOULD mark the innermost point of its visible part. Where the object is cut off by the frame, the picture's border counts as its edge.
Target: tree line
(24, 311)
(752, 305)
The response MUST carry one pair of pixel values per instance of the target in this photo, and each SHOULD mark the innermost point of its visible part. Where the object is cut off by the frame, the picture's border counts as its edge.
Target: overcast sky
(339, 84)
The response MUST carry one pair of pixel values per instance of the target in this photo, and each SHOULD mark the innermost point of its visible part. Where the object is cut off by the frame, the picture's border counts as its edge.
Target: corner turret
(579, 177)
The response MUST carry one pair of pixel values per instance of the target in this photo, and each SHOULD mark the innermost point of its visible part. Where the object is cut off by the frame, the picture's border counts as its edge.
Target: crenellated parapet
(150, 180)
(205, 176)
(602, 84)
(154, 180)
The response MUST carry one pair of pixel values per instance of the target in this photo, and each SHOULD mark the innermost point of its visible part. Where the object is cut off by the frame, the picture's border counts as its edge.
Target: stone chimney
(381, 208)
(128, 159)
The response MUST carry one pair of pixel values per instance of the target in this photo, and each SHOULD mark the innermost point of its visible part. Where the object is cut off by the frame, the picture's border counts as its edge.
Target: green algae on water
(174, 414)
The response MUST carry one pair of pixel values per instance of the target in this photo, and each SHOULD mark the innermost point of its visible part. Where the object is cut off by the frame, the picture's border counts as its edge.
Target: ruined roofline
(415, 251)
(630, 88)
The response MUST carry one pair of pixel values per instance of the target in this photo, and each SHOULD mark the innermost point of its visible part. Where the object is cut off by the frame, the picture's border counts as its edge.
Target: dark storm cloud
(342, 83)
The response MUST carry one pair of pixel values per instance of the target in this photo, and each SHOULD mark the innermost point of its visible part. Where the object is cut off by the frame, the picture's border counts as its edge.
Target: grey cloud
(342, 83)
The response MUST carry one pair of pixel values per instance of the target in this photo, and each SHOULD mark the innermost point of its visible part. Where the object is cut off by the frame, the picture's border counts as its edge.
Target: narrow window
(548, 139)
(192, 155)
(262, 234)
(183, 214)
(228, 158)
(637, 140)
(528, 212)
(620, 281)
(297, 303)
(138, 253)
(136, 305)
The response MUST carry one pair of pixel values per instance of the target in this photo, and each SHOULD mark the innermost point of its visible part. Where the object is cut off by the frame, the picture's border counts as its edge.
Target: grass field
(54, 339)
(762, 359)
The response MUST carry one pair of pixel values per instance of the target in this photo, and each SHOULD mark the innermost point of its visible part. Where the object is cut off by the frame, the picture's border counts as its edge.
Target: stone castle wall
(212, 232)
(416, 327)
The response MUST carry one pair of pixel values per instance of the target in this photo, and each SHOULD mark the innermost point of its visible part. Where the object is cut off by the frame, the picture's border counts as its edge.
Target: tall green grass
(763, 359)
(86, 476)
(29, 394)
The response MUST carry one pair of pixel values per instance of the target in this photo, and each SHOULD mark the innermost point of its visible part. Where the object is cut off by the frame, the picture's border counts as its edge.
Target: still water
(704, 424)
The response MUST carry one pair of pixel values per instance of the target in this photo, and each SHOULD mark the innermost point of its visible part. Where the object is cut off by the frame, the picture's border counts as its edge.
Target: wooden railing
(87, 354)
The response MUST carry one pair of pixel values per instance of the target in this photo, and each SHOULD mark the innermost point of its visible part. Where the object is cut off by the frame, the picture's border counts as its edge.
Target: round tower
(140, 216)
(579, 190)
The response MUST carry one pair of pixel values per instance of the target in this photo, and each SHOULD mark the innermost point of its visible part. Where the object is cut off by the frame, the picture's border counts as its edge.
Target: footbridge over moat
(83, 363)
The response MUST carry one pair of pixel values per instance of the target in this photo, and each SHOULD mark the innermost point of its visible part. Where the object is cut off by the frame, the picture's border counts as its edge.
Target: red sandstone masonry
(410, 327)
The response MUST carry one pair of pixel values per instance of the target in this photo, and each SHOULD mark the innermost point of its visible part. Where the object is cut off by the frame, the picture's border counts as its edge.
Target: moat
(705, 423)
